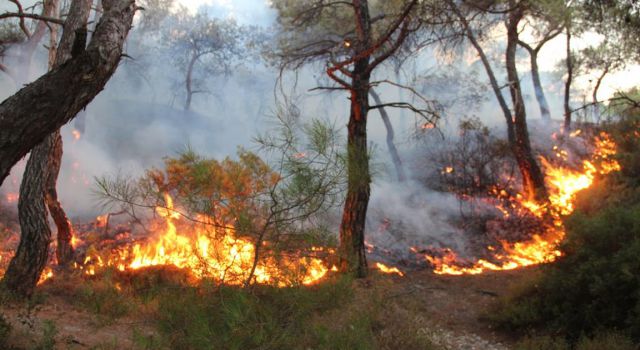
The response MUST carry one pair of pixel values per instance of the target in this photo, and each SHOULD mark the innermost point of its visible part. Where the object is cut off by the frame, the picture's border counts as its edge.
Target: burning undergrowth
(488, 224)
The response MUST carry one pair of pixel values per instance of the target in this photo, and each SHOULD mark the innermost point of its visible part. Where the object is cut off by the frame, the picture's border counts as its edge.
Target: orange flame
(562, 184)
(217, 254)
(386, 269)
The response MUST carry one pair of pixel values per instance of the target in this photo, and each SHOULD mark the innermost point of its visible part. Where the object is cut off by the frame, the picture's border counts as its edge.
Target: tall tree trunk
(545, 113)
(31, 257)
(46, 104)
(352, 251)
(39, 181)
(393, 151)
(567, 85)
(532, 177)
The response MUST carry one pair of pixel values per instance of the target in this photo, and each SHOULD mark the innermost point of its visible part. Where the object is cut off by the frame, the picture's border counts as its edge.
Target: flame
(217, 254)
(386, 269)
(76, 134)
(563, 184)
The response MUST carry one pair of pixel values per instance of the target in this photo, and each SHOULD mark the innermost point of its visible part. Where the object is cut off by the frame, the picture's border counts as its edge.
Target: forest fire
(562, 183)
(210, 250)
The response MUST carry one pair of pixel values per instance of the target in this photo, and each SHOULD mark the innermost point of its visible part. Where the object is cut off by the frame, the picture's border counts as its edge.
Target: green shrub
(595, 286)
(266, 318)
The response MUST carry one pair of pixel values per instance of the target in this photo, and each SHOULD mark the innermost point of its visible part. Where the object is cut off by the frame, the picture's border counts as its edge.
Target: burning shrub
(595, 286)
(473, 164)
(238, 221)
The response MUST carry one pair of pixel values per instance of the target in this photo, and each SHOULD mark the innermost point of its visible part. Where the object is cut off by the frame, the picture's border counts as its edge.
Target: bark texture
(532, 177)
(352, 251)
(39, 181)
(64, 91)
(393, 151)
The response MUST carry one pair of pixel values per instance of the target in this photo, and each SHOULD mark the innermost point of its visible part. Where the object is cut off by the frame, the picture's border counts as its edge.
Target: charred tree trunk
(393, 151)
(532, 177)
(567, 85)
(67, 89)
(352, 251)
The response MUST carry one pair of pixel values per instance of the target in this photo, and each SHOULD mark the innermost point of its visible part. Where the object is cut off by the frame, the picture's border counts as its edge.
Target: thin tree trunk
(38, 183)
(596, 104)
(492, 77)
(46, 104)
(188, 82)
(545, 113)
(393, 151)
(352, 251)
(567, 85)
(532, 177)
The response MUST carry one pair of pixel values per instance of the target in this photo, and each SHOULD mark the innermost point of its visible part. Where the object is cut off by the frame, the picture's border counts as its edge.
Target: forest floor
(449, 311)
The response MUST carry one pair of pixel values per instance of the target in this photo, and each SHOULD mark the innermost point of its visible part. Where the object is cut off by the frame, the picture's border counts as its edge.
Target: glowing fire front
(562, 184)
(210, 251)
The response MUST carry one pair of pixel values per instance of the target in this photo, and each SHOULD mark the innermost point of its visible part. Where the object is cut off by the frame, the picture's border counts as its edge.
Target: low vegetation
(590, 298)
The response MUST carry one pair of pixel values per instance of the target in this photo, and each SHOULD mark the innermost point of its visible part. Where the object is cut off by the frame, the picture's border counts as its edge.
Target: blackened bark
(532, 177)
(64, 91)
(393, 151)
(352, 251)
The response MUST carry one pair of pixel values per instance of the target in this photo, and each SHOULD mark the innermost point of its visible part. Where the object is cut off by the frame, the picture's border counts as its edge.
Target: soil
(452, 311)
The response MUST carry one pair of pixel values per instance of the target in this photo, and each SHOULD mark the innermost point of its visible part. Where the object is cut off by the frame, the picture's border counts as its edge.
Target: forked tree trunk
(48, 154)
(46, 104)
(96, 66)
(532, 177)
(393, 151)
(352, 251)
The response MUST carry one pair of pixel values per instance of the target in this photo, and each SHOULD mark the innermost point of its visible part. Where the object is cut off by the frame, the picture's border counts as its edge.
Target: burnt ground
(450, 310)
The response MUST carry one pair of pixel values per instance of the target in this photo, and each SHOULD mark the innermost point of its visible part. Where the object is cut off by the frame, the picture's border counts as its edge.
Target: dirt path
(454, 308)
